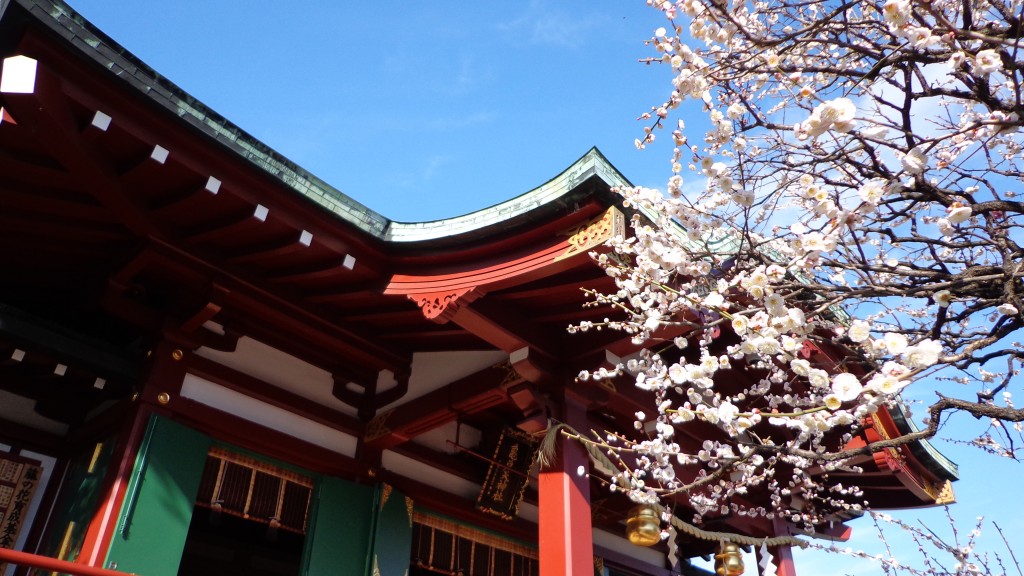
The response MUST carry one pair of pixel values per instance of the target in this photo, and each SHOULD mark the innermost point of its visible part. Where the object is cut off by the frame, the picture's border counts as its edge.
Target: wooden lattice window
(446, 547)
(249, 488)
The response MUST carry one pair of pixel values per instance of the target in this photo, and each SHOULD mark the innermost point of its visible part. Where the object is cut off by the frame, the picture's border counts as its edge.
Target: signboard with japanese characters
(18, 480)
(508, 474)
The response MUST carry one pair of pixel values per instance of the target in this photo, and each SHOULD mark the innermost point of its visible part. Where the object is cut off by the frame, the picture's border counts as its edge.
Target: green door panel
(338, 539)
(392, 546)
(158, 506)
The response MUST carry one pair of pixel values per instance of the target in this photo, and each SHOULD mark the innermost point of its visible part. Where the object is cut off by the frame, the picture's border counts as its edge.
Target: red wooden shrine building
(211, 362)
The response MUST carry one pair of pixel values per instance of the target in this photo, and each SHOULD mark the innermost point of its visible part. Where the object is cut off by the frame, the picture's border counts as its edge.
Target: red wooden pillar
(165, 376)
(784, 561)
(101, 528)
(782, 556)
(566, 533)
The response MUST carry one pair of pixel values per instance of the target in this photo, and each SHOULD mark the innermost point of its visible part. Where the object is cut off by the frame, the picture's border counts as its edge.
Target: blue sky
(427, 110)
(419, 110)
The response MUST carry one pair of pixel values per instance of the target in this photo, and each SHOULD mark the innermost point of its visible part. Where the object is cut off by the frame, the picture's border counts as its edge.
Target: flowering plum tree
(854, 195)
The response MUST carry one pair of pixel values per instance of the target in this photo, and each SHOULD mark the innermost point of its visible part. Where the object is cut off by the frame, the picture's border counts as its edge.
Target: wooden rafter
(468, 395)
(45, 109)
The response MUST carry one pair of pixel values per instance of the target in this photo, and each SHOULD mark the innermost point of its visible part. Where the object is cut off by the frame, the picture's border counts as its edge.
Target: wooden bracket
(442, 306)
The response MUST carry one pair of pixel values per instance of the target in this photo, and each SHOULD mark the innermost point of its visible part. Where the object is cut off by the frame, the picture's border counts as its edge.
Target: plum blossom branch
(856, 231)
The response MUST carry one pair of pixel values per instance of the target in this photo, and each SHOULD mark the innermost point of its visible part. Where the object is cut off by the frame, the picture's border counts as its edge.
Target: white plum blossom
(800, 367)
(739, 324)
(768, 346)
(956, 60)
(920, 37)
(923, 354)
(875, 132)
(831, 115)
(872, 191)
(1007, 309)
(894, 369)
(897, 12)
(886, 384)
(775, 304)
(818, 378)
(957, 213)
(859, 331)
(714, 300)
(677, 374)
(832, 402)
(986, 62)
(895, 342)
(727, 412)
(945, 227)
(846, 387)
(817, 242)
(915, 161)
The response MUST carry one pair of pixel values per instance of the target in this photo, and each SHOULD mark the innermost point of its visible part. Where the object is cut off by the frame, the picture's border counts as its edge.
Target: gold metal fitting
(643, 527)
(729, 560)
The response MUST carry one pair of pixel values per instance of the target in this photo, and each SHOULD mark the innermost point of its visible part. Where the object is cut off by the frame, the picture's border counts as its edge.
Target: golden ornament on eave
(729, 560)
(643, 527)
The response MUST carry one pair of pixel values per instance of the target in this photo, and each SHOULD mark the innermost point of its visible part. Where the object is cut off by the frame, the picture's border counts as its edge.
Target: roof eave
(95, 46)
(123, 66)
(564, 190)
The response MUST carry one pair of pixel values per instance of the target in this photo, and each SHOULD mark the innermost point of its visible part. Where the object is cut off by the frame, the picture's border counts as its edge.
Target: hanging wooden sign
(18, 480)
(508, 475)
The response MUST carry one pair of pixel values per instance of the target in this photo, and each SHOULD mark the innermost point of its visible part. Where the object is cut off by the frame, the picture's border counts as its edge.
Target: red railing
(53, 564)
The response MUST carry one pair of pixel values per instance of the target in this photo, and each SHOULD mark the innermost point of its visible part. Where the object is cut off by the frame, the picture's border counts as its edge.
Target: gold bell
(729, 560)
(643, 527)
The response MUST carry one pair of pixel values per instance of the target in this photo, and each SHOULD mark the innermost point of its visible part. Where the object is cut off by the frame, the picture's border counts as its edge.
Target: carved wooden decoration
(378, 427)
(594, 233)
(944, 494)
(441, 306)
(510, 375)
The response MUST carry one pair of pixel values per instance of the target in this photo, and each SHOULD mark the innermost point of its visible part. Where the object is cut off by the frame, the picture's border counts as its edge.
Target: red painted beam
(266, 441)
(468, 395)
(506, 272)
(47, 110)
(266, 392)
(552, 256)
(14, 433)
(53, 564)
(435, 499)
(280, 316)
